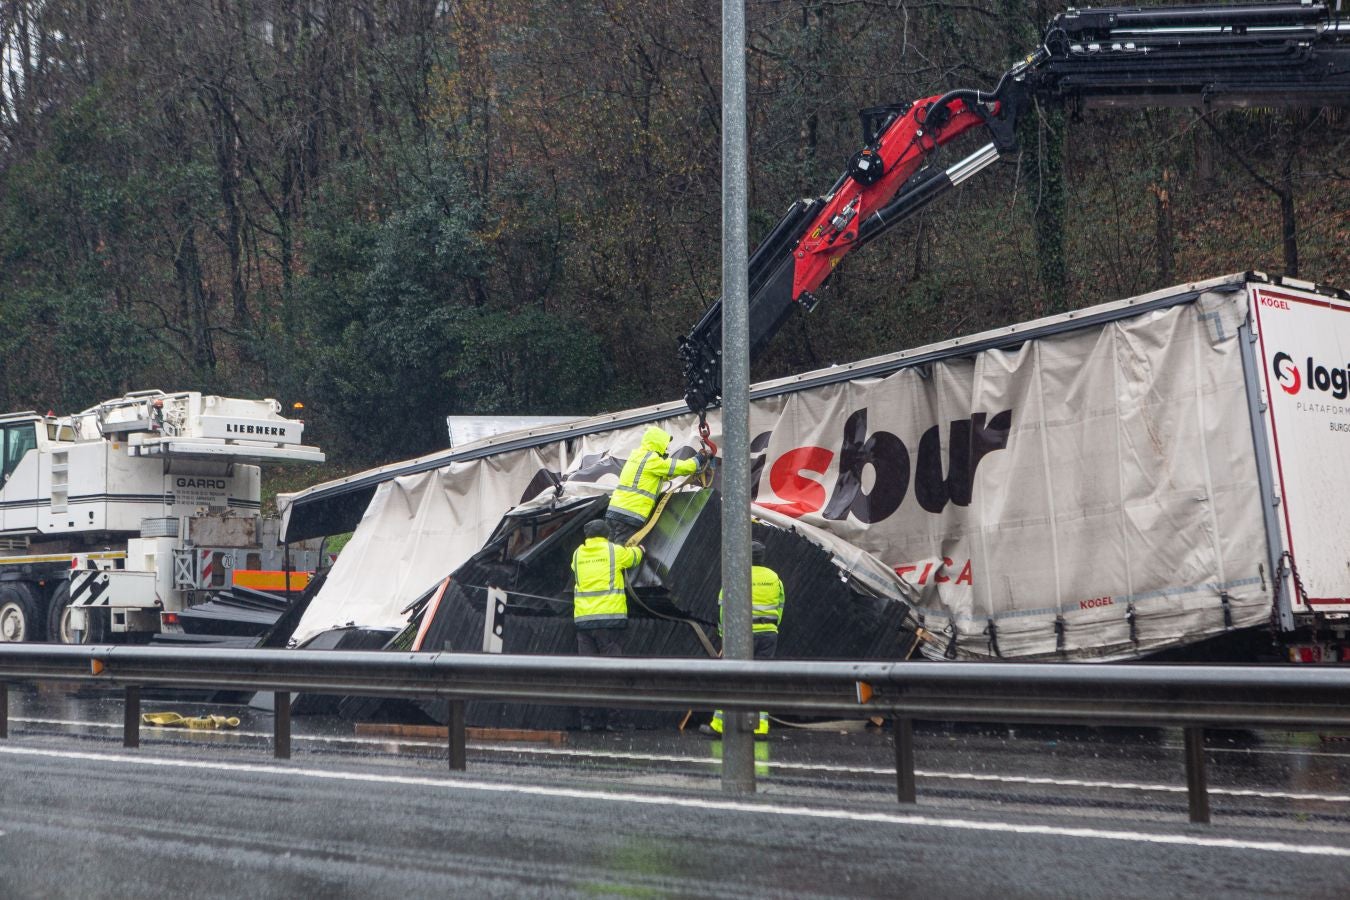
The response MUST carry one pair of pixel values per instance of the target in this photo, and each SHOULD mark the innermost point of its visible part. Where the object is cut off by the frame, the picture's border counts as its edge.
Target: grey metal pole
(459, 757)
(1197, 790)
(131, 717)
(281, 724)
(738, 748)
(904, 761)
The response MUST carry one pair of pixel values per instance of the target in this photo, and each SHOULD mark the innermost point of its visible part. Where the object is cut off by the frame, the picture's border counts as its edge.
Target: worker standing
(646, 470)
(767, 598)
(600, 604)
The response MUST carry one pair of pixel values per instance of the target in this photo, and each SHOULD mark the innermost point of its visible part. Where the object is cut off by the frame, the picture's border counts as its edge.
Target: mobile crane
(115, 519)
(1264, 54)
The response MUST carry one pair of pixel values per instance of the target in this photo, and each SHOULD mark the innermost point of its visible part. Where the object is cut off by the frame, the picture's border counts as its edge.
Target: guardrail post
(1196, 789)
(131, 717)
(459, 758)
(904, 761)
(4, 710)
(281, 725)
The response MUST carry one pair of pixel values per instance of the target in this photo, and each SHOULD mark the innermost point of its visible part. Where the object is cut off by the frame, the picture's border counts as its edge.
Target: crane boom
(1264, 54)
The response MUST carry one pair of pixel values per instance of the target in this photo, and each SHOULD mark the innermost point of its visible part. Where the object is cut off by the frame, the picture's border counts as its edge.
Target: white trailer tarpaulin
(1090, 494)
(1087, 495)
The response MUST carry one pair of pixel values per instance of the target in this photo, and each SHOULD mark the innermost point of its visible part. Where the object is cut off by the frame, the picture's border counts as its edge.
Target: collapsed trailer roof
(836, 611)
(515, 596)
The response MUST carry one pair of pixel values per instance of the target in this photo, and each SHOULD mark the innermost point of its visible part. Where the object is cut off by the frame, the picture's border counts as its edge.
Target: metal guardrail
(1191, 697)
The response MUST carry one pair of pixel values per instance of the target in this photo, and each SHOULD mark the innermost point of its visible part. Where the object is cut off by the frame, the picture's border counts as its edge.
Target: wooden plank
(518, 734)
(441, 733)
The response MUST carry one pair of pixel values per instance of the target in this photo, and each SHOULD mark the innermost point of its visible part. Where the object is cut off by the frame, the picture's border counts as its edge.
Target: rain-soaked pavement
(1022, 812)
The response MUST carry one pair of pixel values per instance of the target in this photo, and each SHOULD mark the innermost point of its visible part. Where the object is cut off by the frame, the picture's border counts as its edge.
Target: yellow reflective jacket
(767, 598)
(647, 469)
(598, 567)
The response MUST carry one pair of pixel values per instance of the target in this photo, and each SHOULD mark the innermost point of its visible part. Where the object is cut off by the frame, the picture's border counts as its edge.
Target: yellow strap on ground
(177, 720)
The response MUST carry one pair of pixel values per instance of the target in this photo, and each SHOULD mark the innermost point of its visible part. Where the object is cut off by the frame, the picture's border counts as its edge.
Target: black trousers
(766, 644)
(621, 528)
(599, 642)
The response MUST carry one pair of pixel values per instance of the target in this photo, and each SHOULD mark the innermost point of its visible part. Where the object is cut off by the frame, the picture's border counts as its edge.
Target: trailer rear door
(1304, 347)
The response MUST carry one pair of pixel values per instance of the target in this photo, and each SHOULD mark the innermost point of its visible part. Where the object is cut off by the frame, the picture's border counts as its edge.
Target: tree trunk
(193, 298)
(1163, 226)
(1043, 170)
(1288, 222)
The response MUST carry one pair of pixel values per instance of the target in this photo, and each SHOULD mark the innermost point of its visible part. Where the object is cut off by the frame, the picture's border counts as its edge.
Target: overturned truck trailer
(515, 595)
(1156, 475)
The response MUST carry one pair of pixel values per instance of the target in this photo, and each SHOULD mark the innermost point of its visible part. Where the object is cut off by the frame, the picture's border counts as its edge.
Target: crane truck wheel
(58, 615)
(19, 613)
(58, 620)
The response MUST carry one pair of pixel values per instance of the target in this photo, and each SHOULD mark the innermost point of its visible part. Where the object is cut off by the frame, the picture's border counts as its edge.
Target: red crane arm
(901, 151)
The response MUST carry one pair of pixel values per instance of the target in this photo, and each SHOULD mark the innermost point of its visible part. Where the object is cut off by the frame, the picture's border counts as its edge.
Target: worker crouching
(600, 604)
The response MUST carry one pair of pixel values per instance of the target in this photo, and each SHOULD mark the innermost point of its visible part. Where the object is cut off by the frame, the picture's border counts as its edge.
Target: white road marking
(713, 761)
(757, 809)
(950, 776)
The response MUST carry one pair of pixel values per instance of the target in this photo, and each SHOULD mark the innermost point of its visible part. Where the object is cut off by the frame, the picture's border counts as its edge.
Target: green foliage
(401, 338)
(529, 361)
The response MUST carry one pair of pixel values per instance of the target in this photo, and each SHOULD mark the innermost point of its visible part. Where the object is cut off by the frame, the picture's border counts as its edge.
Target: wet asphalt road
(1034, 813)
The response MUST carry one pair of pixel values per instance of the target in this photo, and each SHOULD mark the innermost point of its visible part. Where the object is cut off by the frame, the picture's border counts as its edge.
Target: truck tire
(58, 620)
(19, 620)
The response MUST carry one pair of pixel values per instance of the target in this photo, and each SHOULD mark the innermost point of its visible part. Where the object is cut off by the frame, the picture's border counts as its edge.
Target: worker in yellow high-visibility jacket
(767, 598)
(647, 469)
(600, 603)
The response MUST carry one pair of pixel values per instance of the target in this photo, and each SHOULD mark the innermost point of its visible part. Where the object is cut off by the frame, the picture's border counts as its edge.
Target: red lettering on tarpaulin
(943, 579)
(966, 577)
(1095, 603)
(802, 495)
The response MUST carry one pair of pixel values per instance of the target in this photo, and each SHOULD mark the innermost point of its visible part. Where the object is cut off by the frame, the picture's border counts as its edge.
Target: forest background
(393, 211)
